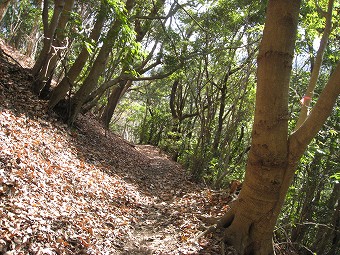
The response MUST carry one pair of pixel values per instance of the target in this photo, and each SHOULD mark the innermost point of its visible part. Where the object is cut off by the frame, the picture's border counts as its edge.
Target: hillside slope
(84, 190)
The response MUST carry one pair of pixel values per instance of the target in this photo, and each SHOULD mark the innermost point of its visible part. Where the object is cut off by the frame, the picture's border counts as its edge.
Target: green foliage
(89, 46)
(18, 22)
(118, 7)
(210, 48)
(335, 176)
(309, 199)
(154, 126)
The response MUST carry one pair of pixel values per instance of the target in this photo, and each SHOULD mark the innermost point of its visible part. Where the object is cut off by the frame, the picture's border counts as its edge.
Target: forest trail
(84, 190)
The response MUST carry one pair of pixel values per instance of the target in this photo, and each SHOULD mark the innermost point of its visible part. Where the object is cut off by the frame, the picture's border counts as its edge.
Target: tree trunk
(4, 4)
(142, 134)
(98, 67)
(274, 155)
(32, 39)
(176, 114)
(141, 31)
(218, 132)
(64, 86)
(49, 33)
(112, 102)
(328, 239)
(48, 67)
(307, 98)
(250, 223)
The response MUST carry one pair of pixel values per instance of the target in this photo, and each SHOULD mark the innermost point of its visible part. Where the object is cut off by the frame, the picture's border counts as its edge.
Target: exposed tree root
(221, 224)
(238, 236)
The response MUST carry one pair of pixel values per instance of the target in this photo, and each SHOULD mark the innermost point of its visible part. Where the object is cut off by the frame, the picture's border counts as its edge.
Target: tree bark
(32, 39)
(60, 91)
(98, 67)
(221, 113)
(54, 54)
(49, 32)
(307, 98)
(299, 140)
(250, 223)
(119, 91)
(113, 102)
(274, 155)
(4, 4)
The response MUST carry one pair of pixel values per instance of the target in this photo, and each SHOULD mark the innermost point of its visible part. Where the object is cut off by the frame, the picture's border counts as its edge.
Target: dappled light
(169, 127)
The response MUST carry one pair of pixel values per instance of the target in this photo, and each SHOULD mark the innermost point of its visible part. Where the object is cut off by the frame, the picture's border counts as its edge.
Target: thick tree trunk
(249, 224)
(4, 4)
(251, 221)
(64, 86)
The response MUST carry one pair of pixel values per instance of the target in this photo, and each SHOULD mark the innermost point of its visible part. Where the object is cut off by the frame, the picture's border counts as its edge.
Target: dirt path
(168, 223)
(84, 190)
(159, 230)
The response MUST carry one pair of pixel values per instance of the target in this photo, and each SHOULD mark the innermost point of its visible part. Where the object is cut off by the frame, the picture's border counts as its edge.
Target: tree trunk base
(239, 236)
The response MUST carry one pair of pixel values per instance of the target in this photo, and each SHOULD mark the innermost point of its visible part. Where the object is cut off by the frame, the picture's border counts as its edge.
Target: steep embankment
(87, 191)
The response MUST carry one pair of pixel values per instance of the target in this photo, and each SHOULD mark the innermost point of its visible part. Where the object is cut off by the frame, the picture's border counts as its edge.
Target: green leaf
(333, 132)
(89, 47)
(335, 176)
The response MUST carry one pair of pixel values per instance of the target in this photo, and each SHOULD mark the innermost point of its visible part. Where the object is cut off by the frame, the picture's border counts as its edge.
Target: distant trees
(211, 101)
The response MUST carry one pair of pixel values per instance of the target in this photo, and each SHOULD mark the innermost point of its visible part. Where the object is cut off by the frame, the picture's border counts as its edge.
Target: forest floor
(85, 190)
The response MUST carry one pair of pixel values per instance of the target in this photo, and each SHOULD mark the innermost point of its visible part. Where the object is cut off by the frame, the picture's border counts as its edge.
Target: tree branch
(150, 17)
(154, 77)
(299, 140)
(316, 66)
